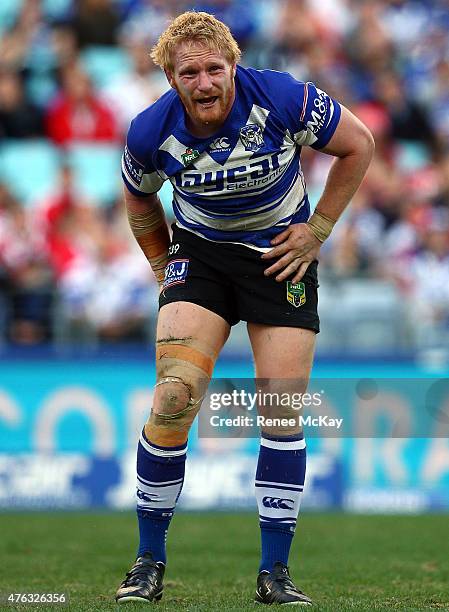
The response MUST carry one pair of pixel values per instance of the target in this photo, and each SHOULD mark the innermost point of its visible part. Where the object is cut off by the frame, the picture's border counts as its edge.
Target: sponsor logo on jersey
(296, 294)
(176, 272)
(220, 144)
(189, 156)
(251, 137)
(133, 168)
(322, 107)
(258, 173)
(278, 503)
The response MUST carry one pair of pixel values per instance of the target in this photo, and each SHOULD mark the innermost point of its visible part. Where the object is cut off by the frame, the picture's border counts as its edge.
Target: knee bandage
(184, 365)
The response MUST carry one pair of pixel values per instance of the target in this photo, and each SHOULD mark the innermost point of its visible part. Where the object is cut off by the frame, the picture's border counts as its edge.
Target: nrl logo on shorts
(296, 294)
(251, 137)
(189, 156)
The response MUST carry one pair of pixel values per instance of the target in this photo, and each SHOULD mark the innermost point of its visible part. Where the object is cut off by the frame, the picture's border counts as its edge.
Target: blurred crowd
(74, 72)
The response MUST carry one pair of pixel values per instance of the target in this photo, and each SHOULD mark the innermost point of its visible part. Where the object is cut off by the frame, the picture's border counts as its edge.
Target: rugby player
(244, 247)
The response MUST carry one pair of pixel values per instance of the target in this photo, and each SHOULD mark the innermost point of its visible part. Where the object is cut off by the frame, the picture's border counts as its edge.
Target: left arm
(352, 145)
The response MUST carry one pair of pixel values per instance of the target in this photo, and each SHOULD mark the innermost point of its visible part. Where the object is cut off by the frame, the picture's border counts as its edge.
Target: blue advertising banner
(68, 433)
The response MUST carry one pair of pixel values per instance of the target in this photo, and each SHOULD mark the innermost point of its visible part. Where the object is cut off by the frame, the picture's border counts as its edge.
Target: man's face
(204, 80)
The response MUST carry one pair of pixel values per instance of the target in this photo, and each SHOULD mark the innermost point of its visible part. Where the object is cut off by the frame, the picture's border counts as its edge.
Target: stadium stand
(104, 64)
(29, 168)
(387, 60)
(95, 168)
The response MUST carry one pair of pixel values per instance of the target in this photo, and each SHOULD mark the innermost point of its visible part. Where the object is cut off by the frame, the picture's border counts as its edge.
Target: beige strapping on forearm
(151, 233)
(321, 225)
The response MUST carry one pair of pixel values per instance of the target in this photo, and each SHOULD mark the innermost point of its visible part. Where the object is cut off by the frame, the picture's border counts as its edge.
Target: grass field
(343, 562)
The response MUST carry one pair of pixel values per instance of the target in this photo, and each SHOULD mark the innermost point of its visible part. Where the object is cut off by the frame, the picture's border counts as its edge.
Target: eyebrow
(191, 66)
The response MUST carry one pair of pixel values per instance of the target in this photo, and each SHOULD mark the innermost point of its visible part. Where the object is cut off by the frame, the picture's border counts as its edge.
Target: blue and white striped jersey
(244, 184)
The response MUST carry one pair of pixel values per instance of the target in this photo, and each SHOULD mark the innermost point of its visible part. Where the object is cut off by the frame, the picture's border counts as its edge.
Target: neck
(203, 130)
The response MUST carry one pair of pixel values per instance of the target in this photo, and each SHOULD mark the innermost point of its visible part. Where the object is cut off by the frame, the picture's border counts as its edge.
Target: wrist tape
(151, 233)
(321, 225)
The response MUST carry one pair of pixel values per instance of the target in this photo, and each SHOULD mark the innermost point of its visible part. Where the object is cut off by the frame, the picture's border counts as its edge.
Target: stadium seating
(96, 170)
(361, 316)
(412, 155)
(56, 9)
(104, 64)
(29, 168)
(166, 196)
(8, 13)
(3, 319)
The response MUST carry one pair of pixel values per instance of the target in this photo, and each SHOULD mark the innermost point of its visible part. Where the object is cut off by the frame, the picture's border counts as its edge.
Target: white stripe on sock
(292, 445)
(161, 452)
(281, 520)
(267, 483)
(165, 482)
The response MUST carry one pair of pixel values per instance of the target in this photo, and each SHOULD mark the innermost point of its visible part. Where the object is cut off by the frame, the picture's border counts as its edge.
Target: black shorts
(228, 279)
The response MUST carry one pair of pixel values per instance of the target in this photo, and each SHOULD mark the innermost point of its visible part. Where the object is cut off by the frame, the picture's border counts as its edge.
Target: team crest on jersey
(296, 294)
(176, 272)
(189, 156)
(251, 137)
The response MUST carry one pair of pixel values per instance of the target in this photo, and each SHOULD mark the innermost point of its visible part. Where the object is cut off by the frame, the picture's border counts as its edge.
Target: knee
(171, 398)
(173, 413)
(182, 379)
(176, 404)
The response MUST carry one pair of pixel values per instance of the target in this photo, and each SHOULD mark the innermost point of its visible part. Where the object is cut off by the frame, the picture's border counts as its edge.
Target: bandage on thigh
(188, 354)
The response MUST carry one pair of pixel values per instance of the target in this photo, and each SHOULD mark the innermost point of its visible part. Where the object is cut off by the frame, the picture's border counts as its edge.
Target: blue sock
(160, 476)
(280, 475)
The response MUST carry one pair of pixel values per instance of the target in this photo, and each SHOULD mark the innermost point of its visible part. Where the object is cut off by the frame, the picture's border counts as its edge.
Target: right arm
(148, 224)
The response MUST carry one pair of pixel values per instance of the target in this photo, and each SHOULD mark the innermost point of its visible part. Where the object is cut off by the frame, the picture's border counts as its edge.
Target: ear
(170, 78)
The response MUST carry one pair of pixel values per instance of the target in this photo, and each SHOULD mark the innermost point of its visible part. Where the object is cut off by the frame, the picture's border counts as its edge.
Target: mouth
(207, 102)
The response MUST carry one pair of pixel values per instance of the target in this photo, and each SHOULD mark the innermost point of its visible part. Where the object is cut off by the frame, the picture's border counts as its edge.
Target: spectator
(439, 106)
(103, 284)
(369, 48)
(442, 195)
(130, 93)
(95, 22)
(28, 41)
(18, 117)
(407, 118)
(386, 59)
(53, 219)
(239, 15)
(78, 114)
(64, 45)
(147, 21)
(424, 278)
(299, 26)
(27, 274)
(105, 287)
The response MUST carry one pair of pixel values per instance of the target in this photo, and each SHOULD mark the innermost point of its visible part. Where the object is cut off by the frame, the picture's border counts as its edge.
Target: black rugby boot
(276, 587)
(143, 582)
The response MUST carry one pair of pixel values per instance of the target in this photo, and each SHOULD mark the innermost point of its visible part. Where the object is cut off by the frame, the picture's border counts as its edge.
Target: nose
(204, 81)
